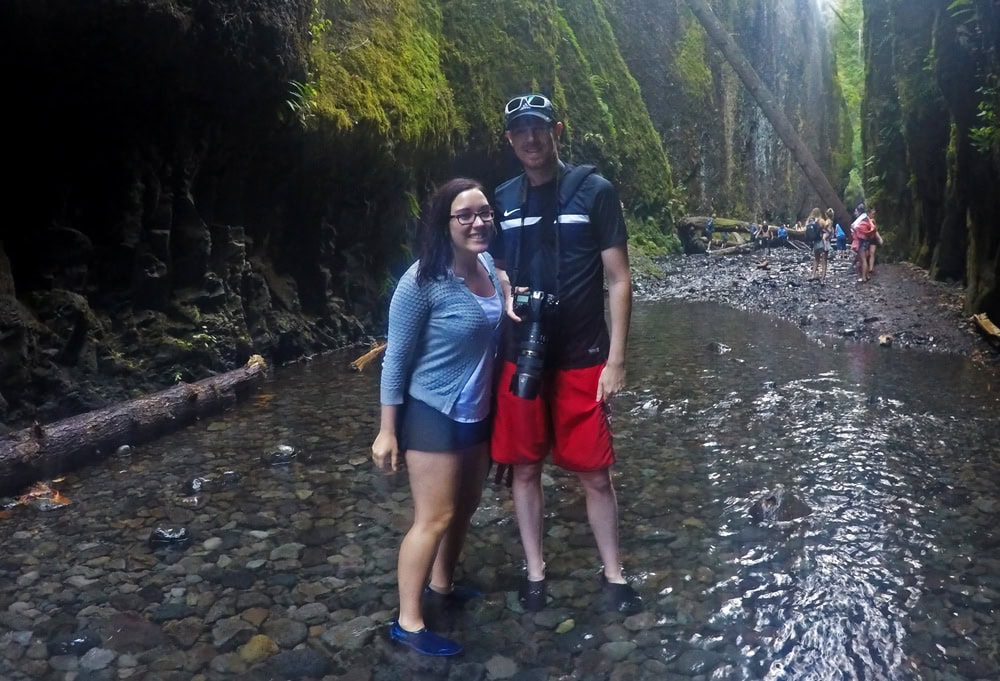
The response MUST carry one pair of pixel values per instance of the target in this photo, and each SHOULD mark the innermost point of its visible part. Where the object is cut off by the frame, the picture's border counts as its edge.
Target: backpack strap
(572, 181)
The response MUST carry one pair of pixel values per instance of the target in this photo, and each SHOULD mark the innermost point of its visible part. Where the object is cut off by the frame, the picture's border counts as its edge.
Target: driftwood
(43, 451)
(987, 326)
(729, 250)
(364, 360)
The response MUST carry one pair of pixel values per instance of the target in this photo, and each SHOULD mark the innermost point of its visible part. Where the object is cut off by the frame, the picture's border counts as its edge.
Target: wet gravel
(900, 305)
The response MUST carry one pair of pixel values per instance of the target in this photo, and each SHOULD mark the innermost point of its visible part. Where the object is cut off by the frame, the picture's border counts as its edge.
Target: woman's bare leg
(434, 479)
(474, 463)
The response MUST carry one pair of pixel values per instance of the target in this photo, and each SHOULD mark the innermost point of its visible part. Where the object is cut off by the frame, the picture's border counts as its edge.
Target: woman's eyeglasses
(527, 102)
(468, 217)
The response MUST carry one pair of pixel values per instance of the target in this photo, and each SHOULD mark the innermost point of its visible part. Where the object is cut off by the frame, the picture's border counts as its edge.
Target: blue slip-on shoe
(459, 595)
(424, 642)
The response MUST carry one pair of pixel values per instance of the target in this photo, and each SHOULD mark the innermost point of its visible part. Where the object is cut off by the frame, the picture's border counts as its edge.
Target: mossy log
(43, 451)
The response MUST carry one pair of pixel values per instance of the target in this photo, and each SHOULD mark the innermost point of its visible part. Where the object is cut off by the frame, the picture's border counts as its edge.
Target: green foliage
(851, 69)
(302, 97)
(986, 136)
(646, 236)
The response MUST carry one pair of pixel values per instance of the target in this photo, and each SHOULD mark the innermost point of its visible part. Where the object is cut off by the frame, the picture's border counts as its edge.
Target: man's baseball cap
(534, 105)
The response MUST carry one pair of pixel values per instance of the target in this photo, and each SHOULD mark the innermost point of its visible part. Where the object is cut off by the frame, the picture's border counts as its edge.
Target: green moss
(690, 64)
(634, 152)
(378, 65)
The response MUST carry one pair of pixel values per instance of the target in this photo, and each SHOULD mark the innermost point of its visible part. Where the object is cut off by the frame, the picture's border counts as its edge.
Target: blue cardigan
(437, 335)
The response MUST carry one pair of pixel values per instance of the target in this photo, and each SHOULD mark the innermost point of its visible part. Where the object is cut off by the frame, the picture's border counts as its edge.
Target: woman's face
(470, 207)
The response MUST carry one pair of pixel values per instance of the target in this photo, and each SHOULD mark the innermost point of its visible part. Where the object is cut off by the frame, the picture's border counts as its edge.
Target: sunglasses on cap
(526, 103)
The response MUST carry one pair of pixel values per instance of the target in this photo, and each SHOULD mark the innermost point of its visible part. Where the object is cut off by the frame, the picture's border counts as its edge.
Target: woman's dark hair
(434, 233)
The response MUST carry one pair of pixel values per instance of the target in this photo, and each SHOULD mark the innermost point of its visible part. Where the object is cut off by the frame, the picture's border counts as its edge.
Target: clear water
(894, 574)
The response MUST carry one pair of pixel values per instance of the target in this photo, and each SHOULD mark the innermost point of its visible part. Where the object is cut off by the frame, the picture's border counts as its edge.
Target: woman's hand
(385, 451)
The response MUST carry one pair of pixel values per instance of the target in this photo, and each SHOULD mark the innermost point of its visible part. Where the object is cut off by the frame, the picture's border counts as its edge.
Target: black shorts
(425, 429)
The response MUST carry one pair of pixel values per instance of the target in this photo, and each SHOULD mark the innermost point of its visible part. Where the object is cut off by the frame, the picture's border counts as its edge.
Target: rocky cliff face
(146, 243)
(725, 155)
(196, 180)
(931, 130)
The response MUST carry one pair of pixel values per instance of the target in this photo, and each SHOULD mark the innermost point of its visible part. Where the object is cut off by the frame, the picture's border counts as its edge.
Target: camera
(534, 308)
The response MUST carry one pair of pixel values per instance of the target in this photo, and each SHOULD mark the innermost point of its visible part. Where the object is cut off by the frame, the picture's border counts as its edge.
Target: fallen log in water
(987, 326)
(43, 451)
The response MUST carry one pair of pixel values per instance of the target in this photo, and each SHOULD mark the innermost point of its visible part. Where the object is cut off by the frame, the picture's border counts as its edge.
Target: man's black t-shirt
(564, 260)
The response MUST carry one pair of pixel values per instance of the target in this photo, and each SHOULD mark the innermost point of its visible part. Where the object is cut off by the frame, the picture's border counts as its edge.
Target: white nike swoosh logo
(510, 212)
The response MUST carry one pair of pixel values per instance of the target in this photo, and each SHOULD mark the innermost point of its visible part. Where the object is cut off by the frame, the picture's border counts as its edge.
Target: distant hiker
(865, 234)
(841, 237)
(818, 239)
(764, 237)
(782, 236)
(709, 228)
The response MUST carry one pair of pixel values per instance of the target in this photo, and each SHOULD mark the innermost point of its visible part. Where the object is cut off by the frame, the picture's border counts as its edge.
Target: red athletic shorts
(565, 417)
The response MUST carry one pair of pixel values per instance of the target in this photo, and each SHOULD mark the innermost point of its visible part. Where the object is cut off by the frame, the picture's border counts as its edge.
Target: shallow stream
(894, 572)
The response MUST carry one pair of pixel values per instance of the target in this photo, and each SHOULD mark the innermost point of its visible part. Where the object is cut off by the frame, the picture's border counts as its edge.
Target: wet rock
(258, 648)
(231, 633)
(196, 485)
(76, 643)
(719, 348)
(96, 659)
(778, 506)
(184, 632)
(351, 635)
(282, 455)
(170, 538)
(285, 632)
(171, 611)
(215, 482)
(297, 664)
(237, 579)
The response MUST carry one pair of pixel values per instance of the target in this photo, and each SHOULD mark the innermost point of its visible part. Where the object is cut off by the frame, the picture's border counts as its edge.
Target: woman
(437, 379)
(867, 237)
(820, 245)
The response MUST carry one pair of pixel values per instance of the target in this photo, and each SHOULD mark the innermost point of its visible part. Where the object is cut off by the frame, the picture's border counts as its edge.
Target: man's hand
(385, 452)
(611, 382)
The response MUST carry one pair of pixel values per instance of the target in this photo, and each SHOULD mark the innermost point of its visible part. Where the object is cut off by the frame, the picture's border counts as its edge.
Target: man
(562, 231)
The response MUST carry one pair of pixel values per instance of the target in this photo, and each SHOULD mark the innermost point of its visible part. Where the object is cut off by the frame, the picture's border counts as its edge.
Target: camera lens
(530, 361)
(532, 307)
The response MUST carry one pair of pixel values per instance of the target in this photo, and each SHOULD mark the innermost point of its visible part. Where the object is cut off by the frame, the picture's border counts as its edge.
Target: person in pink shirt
(866, 236)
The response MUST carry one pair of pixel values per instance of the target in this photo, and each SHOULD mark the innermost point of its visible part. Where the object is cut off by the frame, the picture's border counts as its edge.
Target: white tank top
(470, 406)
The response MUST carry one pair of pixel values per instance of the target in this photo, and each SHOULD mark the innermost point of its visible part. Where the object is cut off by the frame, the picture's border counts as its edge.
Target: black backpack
(812, 232)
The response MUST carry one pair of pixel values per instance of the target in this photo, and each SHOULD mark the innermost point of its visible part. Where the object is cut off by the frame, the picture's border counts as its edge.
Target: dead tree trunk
(762, 95)
(41, 452)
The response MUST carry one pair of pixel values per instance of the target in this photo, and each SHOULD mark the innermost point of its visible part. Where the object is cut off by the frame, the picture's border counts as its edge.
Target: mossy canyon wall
(931, 137)
(196, 180)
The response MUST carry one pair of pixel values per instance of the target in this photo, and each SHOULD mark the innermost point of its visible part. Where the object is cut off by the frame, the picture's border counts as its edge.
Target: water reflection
(893, 572)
